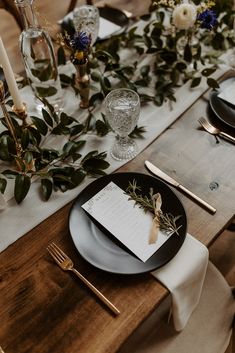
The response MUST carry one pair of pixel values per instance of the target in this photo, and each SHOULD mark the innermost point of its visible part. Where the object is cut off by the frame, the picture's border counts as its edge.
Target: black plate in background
(109, 13)
(114, 15)
(102, 251)
(223, 110)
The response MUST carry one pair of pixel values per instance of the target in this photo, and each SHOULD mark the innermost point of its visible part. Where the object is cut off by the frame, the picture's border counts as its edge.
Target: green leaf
(96, 99)
(101, 128)
(159, 99)
(140, 50)
(43, 70)
(73, 146)
(212, 83)
(28, 157)
(40, 125)
(49, 154)
(78, 176)
(3, 184)
(46, 187)
(168, 56)
(181, 66)
(145, 17)
(7, 148)
(47, 117)
(96, 76)
(95, 164)
(104, 56)
(76, 129)
(138, 132)
(10, 174)
(145, 98)
(144, 70)
(66, 120)
(22, 186)
(46, 92)
(188, 53)
(34, 135)
(105, 85)
(195, 82)
(65, 80)
(208, 72)
(60, 129)
(25, 138)
(147, 41)
(61, 57)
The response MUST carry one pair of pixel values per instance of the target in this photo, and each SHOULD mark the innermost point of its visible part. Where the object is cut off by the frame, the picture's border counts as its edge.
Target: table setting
(88, 149)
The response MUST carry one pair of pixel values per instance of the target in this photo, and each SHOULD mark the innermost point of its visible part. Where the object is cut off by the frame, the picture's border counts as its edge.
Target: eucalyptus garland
(159, 40)
(62, 169)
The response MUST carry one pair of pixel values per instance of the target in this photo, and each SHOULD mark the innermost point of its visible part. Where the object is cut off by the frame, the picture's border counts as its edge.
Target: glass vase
(38, 56)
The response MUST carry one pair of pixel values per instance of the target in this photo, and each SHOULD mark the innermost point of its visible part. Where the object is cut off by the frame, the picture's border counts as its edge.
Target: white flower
(184, 15)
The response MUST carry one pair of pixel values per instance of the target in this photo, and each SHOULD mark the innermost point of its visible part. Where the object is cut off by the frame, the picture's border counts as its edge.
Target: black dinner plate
(103, 251)
(223, 110)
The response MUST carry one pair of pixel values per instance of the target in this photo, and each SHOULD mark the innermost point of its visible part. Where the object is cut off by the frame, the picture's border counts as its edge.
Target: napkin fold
(3, 203)
(184, 277)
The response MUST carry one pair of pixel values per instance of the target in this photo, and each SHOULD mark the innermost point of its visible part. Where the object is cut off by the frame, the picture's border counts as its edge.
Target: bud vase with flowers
(79, 43)
(187, 19)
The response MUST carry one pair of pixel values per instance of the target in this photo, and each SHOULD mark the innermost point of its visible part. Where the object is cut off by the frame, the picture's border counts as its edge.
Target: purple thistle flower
(80, 41)
(208, 19)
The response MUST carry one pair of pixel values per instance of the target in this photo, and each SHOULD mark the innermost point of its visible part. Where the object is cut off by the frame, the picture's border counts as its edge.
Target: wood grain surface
(44, 309)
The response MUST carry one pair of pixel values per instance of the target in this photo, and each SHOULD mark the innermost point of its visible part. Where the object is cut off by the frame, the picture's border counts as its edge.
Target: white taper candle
(10, 78)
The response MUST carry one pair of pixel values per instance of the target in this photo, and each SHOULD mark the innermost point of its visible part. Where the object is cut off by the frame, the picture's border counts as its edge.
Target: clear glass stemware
(86, 19)
(122, 108)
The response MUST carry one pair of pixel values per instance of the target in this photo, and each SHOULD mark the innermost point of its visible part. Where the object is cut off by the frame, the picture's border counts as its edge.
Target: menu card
(228, 93)
(114, 210)
(107, 28)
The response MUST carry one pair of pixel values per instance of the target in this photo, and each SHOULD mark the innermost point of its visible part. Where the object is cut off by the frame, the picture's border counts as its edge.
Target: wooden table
(44, 309)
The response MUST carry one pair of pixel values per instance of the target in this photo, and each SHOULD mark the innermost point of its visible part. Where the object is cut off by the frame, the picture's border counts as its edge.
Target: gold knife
(158, 172)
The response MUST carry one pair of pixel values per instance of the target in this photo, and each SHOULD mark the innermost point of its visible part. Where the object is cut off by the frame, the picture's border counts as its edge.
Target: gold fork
(214, 131)
(66, 264)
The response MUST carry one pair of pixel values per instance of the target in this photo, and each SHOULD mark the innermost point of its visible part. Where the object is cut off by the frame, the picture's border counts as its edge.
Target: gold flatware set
(214, 130)
(66, 264)
(159, 173)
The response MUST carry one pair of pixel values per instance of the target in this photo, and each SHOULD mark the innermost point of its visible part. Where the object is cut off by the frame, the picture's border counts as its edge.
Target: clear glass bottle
(38, 56)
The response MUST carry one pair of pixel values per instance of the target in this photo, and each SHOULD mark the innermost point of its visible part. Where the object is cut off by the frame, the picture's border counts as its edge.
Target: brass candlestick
(22, 114)
(7, 118)
(83, 84)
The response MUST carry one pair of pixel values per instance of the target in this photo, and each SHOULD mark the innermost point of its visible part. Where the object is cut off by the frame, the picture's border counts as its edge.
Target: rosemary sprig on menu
(167, 222)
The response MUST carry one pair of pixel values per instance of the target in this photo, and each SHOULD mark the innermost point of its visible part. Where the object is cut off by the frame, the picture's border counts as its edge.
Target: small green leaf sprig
(166, 221)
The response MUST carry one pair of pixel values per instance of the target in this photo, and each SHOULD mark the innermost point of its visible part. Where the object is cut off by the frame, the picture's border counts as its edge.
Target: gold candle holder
(83, 84)
(22, 113)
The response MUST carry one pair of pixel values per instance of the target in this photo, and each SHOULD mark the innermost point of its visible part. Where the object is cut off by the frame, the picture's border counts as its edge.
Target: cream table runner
(16, 220)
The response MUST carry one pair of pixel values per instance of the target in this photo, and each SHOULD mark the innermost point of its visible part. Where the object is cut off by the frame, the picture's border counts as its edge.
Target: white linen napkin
(3, 203)
(184, 277)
